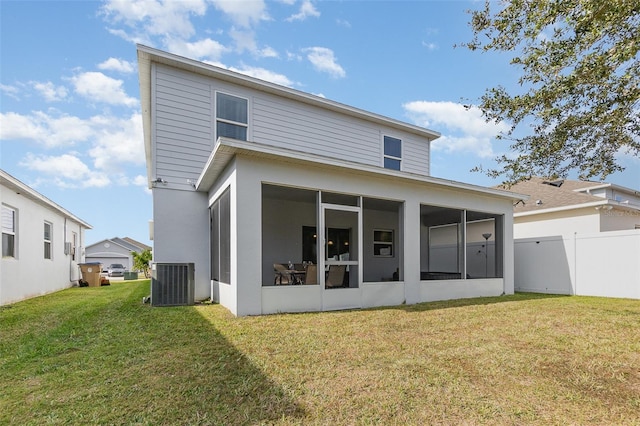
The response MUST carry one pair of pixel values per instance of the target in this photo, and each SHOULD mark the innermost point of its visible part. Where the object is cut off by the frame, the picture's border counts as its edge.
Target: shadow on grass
(107, 358)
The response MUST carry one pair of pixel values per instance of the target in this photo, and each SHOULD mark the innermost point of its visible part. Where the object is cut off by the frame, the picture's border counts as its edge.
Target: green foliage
(580, 84)
(141, 261)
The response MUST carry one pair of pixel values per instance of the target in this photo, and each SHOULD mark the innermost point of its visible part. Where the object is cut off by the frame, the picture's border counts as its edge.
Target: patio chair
(335, 276)
(311, 276)
(282, 274)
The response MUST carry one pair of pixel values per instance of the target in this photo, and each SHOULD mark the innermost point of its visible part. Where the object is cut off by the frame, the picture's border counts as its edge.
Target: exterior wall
(564, 223)
(107, 252)
(618, 220)
(594, 264)
(184, 127)
(30, 274)
(251, 172)
(181, 229)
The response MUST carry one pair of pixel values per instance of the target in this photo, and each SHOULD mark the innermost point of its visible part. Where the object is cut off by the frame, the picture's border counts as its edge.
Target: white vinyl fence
(602, 264)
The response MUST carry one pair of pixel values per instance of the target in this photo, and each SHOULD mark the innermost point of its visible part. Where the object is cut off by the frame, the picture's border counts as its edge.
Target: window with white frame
(74, 243)
(392, 153)
(8, 232)
(231, 116)
(383, 242)
(47, 240)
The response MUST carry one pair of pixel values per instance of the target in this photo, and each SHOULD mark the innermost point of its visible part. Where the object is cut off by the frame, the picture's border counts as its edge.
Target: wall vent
(172, 284)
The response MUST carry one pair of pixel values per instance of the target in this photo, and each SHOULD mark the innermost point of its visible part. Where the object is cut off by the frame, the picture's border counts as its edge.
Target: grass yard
(100, 356)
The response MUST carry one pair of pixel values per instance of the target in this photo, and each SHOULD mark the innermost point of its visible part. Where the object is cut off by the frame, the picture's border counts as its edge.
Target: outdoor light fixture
(486, 237)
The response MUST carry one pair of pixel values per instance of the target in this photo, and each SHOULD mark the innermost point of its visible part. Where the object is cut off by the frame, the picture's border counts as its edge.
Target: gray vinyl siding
(305, 128)
(415, 155)
(185, 126)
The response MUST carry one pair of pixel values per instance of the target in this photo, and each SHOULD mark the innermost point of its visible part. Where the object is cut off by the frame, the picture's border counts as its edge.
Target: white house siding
(29, 274)
(183, 107)
(247, 286)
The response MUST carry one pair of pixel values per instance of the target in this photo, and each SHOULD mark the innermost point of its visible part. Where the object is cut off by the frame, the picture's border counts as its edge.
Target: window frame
(390, 156)
(227, 121)
(48, 242)
(379, 244)
(11, 233)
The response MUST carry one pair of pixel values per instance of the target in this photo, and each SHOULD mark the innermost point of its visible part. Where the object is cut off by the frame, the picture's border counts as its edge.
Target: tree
(141, 261)
(579, 84)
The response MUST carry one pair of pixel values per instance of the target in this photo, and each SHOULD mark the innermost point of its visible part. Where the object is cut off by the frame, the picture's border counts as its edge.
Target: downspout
(575, 263)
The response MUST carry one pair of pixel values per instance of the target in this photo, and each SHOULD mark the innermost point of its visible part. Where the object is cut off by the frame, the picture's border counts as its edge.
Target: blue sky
(70, 124)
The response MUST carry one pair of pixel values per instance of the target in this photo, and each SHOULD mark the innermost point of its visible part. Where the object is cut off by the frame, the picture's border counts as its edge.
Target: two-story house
(284, 201)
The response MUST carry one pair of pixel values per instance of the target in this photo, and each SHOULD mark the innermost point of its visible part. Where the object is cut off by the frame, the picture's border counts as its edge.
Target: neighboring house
(114, 250)
(245, 172)
(577, 237)
(42, 243)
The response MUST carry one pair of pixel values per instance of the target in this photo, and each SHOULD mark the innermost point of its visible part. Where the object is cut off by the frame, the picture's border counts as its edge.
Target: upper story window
(392, 153)
(231, 116)
(8, 232)
(47, 240)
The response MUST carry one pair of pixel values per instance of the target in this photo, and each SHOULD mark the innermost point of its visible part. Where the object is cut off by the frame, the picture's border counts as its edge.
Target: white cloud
(430, 46)
(324, 60)
(11, 91)
(50, 91)
(66, 170)
(117, 141)
(156, 17)
(243, 13)
(49, 130)
(463, 130)
(307, 9)
(205, 49)
(119, 65)
(268, 52)
(343, 23)
(110, 142)
(96, 86)
(264, 74)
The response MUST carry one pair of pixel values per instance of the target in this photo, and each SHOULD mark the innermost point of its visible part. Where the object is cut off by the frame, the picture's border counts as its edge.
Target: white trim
(595, 204)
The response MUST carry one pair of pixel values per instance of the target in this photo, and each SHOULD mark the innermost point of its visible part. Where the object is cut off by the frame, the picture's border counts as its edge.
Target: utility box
(130, 275)
(172, 284)
(91, 273)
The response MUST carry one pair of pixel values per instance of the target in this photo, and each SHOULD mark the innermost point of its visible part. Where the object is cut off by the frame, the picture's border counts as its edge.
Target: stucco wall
(564, 223)
(29, 274)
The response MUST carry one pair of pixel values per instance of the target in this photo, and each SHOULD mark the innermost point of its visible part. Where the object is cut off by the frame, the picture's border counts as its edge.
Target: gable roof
(148, 55)
(126, 243)
(553, 195)
(14, 184)
(137, 243)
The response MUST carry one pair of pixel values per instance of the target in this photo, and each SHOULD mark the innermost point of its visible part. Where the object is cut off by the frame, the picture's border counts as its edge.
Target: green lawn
(100, 356)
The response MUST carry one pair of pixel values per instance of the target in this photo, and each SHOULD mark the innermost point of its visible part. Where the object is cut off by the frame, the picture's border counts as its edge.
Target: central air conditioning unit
(172, 284)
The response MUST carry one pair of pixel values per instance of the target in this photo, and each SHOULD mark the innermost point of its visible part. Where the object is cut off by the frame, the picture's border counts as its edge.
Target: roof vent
(557, 183)
(538, 202)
